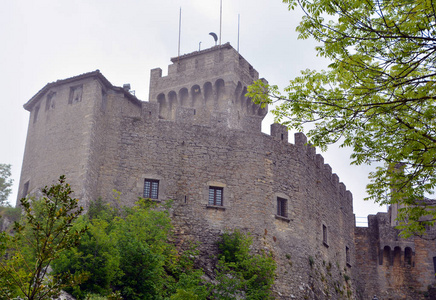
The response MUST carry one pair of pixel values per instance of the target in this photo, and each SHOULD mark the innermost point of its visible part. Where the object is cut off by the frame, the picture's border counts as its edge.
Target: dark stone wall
(390, 266)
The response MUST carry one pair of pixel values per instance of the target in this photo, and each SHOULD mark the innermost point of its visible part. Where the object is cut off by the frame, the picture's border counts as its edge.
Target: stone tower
(64, 135)
(208, 88)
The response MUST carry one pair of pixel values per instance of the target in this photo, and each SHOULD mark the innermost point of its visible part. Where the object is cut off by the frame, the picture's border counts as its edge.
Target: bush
(241, 274)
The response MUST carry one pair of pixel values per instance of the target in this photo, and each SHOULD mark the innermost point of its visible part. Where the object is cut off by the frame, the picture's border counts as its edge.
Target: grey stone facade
(198, 132)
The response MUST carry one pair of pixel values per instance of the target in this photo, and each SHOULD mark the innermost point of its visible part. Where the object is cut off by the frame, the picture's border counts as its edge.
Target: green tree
(377, 96)
(129, 251)
(44, 232)
(5, 183)
(241, 274)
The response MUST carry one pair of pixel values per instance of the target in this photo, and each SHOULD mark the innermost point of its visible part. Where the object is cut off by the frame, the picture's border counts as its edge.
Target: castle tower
(208, 87)
(65, 133)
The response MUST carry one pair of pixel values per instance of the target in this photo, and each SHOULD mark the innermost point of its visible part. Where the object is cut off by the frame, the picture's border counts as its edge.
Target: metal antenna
(221, 17)
(180, 30)
(238, 31)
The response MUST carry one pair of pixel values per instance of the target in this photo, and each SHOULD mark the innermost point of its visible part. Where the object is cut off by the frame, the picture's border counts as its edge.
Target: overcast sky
(47, 40)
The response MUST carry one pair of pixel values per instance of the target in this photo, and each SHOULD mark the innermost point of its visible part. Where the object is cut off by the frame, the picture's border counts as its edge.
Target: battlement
(279, 132)
(208, 87)
(325, 169)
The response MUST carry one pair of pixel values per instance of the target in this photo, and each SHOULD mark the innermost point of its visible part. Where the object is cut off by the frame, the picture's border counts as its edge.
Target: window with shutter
(151, 188)
(215, 196)
(282, 207)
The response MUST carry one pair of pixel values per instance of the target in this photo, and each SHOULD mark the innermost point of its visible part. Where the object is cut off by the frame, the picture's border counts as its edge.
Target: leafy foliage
(128, 251)
(241, 274)
(118, 253)
(377, 96)
(44, 232)
(5, 183)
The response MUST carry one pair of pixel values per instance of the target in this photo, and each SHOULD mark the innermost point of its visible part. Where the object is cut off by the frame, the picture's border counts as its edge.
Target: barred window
(151, 188)
(282, 207)
(324, 235)
(215, 196)
(408, 256)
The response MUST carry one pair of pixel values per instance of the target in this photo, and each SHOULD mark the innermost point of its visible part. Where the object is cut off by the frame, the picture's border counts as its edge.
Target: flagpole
(221, 17)
(180, 29)
(238, 31)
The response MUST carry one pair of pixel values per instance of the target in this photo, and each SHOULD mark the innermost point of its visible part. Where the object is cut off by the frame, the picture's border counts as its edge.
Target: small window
(151, 188)
(75, 94)
(282, 207)
(408, 256)
(215, 196)
(49, 103)
(347, 256)
(324, 235)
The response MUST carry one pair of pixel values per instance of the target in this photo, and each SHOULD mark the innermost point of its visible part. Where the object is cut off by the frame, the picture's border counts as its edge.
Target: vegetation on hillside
(119, 253)
(5, 184)
(44, 231)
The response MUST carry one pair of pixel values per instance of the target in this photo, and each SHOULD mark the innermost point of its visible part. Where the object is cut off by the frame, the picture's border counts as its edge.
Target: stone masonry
(197, 141)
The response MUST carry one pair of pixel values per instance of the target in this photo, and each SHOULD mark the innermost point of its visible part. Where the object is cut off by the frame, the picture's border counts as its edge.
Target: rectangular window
(151, 188)
(49, 103)
(215, 196)
(324, 234)
(75, 94)
(347, 255)
(282, 207)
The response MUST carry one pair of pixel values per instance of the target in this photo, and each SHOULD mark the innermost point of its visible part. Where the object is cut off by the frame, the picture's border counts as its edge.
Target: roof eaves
(29, 104)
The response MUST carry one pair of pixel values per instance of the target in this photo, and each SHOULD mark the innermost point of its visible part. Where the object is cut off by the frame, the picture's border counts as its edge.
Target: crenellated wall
(208, 88)
(393, 267)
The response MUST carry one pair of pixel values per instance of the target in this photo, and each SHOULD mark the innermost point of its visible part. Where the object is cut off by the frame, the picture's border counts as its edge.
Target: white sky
(47, 40)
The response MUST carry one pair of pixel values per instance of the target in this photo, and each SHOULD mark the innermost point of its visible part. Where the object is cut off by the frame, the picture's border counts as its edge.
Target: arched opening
(184, 97)
(208, 95)
(408, 256)
(196, 96)
(251, 107)
(397, 256)
(243, 100)
(238, 91)
(387, 256)
(163, 109)
(172, 101)
(220, 93)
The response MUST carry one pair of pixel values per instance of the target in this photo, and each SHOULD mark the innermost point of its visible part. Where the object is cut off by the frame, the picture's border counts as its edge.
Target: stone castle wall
(253, 169)
(393, 267)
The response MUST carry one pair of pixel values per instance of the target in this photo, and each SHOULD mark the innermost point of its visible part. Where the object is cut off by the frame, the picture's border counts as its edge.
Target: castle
(198, 141)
